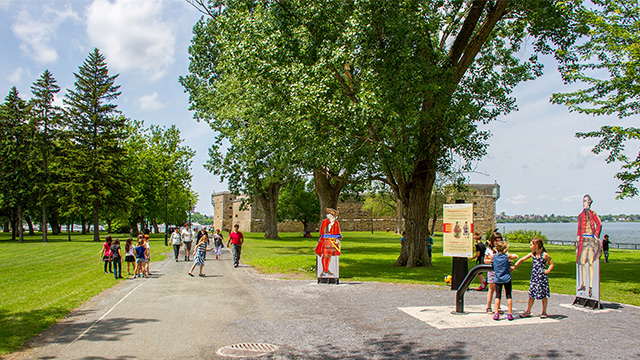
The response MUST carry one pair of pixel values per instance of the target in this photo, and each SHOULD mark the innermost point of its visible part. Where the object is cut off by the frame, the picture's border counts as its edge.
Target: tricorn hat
(333, 212)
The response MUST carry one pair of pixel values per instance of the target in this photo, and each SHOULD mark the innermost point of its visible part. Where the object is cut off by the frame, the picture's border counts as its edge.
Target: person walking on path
(236, 239)
(117, 258)
(198, 254)
(539, 285)
(130, 255)
(105, 254)
(503, 277)
(605, 248)
(218, 243)
(187, 239)
(147, 259)
(141, 253)
(481, 249)
(176, 241)
(429, 245)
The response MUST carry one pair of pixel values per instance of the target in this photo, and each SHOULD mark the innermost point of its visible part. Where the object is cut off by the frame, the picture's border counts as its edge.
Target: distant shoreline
(559, 222)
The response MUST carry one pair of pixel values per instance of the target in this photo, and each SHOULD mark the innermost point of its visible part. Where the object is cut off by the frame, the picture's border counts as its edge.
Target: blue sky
(541, 167)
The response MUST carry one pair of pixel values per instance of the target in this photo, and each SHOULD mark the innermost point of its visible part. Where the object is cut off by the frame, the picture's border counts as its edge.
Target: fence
(625, 246)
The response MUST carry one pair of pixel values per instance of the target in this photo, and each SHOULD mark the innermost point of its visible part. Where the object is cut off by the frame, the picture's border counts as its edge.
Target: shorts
(140, 261)
(129, 258)
(147, 260)
(106, 258)
(491, 277)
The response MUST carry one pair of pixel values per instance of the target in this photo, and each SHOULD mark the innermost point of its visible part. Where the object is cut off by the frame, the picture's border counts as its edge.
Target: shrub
(523, 236)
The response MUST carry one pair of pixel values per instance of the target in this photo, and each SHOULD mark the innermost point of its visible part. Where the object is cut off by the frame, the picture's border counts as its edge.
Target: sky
(541, 166)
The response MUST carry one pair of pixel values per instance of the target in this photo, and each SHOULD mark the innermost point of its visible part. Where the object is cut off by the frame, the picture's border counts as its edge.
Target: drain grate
(247, 350)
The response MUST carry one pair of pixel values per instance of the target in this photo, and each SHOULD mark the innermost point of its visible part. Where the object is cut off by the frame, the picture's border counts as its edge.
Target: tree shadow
(20, 327)
(389, 347)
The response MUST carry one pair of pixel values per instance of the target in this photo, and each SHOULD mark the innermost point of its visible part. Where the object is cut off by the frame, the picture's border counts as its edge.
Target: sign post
(458, 239)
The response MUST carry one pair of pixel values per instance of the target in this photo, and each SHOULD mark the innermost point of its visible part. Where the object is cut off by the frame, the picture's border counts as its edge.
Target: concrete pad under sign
(475, 316)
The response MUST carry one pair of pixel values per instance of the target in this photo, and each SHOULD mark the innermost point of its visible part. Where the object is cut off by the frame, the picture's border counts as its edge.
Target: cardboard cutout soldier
(329, 242)
(588, 249)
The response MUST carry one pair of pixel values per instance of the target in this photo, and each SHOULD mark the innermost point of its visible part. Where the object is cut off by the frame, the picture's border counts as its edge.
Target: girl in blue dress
(198, 254)
(539, 286)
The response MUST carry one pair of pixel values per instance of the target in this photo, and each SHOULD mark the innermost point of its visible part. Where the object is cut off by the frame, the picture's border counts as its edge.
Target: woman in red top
(329, 242)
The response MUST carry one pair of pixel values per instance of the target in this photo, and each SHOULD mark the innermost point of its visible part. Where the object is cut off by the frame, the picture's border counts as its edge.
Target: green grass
(370, 257)
(43, 282)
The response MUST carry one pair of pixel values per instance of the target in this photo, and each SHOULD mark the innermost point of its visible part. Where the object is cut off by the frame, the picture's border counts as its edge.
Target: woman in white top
(176, 241)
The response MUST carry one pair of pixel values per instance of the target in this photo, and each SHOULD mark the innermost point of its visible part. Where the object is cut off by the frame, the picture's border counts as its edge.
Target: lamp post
(166, 225)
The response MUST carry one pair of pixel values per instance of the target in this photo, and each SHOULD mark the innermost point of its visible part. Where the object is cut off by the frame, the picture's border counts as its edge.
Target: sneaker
(509, 317)
(480, 288)
(500, 312)
(496, 316)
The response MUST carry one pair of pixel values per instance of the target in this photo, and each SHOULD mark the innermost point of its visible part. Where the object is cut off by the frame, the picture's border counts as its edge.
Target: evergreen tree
(44, 118)
(97, 131)
(14, 152)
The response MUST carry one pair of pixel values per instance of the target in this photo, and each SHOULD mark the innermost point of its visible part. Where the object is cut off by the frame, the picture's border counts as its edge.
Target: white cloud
(4, 4)
(517, 200)
(546, 198)
(150, 102)
(36, 33)
(133, 35)
(16, 76)
(573, 198)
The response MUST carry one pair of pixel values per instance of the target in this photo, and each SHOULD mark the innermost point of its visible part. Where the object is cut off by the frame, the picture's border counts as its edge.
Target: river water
(619, 232)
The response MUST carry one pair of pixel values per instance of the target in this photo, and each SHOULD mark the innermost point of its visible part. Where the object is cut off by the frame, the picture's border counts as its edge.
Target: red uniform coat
(594, 223)
(335, 230)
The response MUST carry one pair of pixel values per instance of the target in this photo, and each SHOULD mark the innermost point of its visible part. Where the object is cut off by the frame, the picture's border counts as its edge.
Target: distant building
(230, 209)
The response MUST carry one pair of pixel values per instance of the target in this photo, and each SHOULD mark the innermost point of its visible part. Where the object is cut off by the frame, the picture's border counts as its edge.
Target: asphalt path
(174, 316)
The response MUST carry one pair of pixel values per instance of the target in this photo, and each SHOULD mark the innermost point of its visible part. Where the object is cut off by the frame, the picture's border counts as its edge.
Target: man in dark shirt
(605, 247)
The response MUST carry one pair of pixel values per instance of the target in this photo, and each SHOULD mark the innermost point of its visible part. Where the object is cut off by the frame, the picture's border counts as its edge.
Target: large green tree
(45, 118)
(96, 157)
(606, 65)
(298, 201)
(15, 148)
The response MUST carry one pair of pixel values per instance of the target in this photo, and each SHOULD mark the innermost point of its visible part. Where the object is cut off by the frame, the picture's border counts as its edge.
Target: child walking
(199, 253)
(141, 253)
(503, 277)
(130, 255)
(106, 253)
(117, 258)
(539, 286)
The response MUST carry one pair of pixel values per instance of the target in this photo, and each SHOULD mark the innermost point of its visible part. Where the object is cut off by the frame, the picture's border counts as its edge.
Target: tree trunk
(328, 189)
(154, 224)
(69, 228)
(109, 221)
(20, 233)
(416, 205)
(134, 228)
(54, 221)
(398, 217)
(30, 225)
(96, 227)
(434, 218)
(44, 223)
(6, 226)
(83, 221)
(268, 198)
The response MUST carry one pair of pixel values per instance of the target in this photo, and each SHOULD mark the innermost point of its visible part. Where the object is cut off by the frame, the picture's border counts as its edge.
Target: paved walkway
(174, 316)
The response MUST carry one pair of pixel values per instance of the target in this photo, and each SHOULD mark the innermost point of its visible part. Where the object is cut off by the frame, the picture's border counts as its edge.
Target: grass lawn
(370, 257)
(42, 282)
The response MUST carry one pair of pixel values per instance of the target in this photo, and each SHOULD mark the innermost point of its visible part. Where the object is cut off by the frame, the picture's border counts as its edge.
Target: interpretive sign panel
(458, 230)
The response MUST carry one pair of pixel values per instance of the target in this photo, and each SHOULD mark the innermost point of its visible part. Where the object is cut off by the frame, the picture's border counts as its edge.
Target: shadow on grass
(17, 328)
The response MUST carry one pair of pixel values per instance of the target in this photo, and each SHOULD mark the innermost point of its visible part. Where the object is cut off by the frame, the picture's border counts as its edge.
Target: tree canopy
(606, 65)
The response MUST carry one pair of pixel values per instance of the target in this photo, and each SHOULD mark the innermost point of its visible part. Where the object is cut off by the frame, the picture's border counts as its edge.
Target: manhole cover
(247, 350)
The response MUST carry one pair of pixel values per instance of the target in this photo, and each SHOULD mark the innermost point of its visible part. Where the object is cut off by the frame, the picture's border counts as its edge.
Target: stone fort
(228, 210)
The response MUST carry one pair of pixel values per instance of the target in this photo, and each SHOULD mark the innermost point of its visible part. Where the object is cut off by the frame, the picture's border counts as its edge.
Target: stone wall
(223, 210)
(250, 217)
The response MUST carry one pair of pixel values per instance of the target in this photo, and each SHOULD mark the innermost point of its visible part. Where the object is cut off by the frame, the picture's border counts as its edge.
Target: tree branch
(466, 31)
